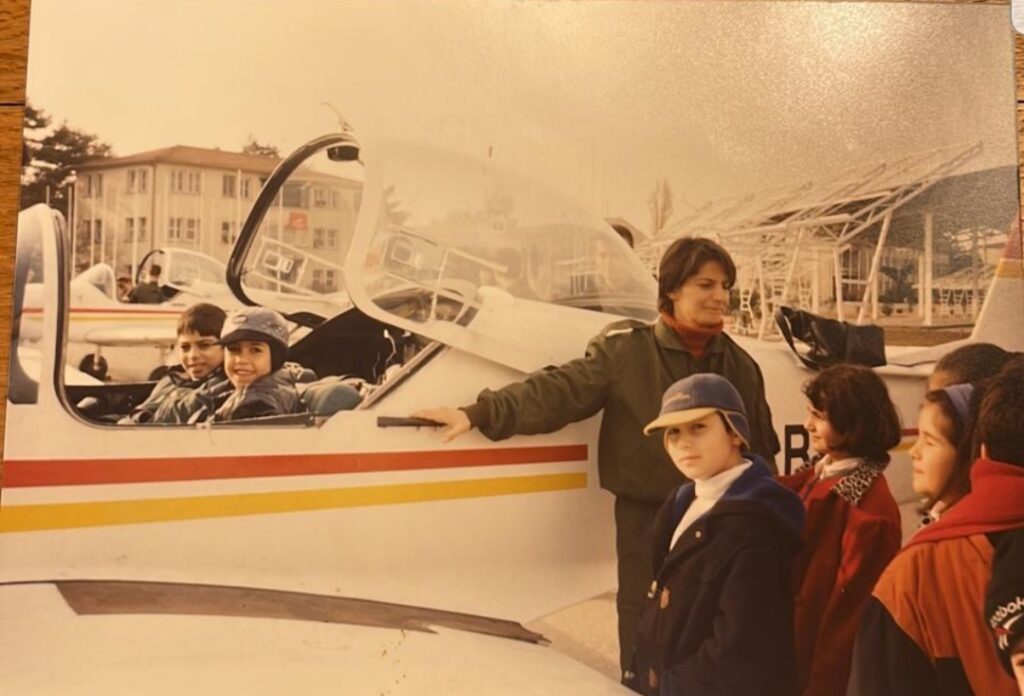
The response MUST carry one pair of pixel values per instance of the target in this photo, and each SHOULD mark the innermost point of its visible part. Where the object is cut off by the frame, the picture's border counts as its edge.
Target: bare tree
(660, 205)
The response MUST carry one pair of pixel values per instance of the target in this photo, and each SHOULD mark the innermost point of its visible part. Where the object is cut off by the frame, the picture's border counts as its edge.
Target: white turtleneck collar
(714, 487)
(827, 468)
(708, 492)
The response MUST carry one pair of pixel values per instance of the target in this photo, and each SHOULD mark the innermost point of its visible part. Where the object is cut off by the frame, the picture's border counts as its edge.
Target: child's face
(703, 448)
(821, 433)
(1017, 660)
(932, 455)
(246, 361)
(199, 355)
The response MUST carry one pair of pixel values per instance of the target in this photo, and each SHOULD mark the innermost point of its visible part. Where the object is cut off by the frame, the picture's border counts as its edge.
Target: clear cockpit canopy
(465, 232)
(296, 262)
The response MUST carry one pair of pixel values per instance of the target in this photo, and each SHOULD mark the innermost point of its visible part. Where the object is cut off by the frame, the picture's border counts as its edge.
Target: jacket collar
(668, 338)
(755, 485)
(851, 486)
(992, 505)
(180, 378)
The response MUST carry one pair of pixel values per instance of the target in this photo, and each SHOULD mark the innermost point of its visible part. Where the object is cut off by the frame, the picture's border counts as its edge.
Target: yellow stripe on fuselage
(28, 518)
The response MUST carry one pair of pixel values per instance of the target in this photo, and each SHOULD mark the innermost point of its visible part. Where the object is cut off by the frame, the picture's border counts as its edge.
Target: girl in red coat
(852, 527)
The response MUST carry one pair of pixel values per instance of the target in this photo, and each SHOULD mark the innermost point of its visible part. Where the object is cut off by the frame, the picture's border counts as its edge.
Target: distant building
(198, 198)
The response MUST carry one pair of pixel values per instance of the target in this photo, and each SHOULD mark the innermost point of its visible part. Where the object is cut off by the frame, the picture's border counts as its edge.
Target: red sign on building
(297, 220)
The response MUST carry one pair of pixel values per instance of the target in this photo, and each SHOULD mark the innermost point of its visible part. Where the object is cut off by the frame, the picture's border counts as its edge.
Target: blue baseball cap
(698, 396)
(258, 324)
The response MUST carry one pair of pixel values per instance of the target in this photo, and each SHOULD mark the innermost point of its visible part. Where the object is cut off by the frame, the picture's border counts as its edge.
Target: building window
(295, 196)
(325, 239)
(185, 181)
(93, 186)
(325, 198)
(228, 186)
(135, 226)
(97, 232)
(228, 232)
(183, 230)
(246, 187)
(324, 280)
(138, 180)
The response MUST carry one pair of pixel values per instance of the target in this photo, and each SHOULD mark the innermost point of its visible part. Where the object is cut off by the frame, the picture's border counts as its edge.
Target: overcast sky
(598, 98)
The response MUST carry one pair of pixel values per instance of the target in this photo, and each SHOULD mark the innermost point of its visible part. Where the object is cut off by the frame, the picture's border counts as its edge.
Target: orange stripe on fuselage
(118, 311)
(23, 473)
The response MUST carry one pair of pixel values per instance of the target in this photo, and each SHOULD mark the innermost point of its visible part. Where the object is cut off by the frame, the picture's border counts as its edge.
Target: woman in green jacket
(624, 371)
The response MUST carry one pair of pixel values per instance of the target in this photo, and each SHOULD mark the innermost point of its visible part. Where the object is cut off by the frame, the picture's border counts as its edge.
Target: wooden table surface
(14, 15)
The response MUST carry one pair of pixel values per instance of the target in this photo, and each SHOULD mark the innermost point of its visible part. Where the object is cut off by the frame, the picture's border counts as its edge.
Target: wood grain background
(14, 18)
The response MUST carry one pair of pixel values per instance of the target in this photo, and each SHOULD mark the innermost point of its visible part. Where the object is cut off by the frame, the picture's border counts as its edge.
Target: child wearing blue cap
(719, 614)
(255, 341)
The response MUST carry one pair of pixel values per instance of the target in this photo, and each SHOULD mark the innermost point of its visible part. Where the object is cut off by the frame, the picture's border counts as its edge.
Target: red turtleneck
(695, 341)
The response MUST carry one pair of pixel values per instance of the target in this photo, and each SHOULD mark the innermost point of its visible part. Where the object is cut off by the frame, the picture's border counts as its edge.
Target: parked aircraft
(158, 556)
(139, 338)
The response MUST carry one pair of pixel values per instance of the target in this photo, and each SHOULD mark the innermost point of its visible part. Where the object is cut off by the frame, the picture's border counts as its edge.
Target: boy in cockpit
(199, 381)
(255, 341)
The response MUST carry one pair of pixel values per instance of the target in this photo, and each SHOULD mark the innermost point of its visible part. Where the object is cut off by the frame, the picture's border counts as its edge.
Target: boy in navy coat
(719, 614)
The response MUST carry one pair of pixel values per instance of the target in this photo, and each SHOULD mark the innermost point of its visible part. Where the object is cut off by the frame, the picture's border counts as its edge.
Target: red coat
(852, 531)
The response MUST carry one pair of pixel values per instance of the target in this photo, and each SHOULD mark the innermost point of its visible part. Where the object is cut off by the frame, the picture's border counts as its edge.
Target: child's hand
(456, 420)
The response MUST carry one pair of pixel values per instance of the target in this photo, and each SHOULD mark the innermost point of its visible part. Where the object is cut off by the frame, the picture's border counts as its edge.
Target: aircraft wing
(129, 335)
(101, 638)
(922, 356)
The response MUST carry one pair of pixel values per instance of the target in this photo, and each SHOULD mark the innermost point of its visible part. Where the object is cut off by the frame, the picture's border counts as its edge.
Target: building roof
(210, 158)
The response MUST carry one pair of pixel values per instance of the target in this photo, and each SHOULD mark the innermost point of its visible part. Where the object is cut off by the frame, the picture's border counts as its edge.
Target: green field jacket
(625, 371)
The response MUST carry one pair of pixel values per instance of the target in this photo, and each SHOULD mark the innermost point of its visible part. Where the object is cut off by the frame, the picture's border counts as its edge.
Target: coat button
(652, 679)
(663, 602)
(697, 534)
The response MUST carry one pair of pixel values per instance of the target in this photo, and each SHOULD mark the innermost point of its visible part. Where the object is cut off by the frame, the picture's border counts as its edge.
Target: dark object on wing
(831, 342)
(101, 597)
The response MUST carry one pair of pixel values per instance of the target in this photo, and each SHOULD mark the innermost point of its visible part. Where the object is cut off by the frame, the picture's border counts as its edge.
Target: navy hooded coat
(719, 615)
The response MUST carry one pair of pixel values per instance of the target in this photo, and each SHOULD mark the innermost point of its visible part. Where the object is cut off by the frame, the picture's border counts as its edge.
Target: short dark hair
(1001, 415)
(683, 259)
(859, 408)
(203, 319)
(973, 362)
(155, 270)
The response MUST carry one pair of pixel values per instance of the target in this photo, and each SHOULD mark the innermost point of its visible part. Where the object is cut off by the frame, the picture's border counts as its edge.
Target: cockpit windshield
(465, 233)
(299, 249)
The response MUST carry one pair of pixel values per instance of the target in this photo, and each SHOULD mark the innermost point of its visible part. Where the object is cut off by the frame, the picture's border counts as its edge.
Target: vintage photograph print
(269, 254)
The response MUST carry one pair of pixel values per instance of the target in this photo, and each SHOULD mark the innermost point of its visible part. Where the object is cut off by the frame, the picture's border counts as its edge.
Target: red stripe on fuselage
(25, 473)
(114, 310)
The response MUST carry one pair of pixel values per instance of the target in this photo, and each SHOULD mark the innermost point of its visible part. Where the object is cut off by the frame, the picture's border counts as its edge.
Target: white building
(198, 198)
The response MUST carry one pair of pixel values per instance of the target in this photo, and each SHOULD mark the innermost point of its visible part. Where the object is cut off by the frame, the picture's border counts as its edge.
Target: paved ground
(585, 632)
